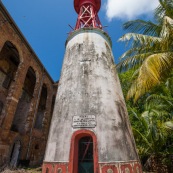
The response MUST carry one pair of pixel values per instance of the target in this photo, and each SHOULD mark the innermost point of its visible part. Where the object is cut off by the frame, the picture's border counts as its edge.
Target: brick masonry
(18, 108)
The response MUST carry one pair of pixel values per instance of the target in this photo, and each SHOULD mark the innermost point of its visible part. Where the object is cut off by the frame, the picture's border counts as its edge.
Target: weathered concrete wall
(89, 85)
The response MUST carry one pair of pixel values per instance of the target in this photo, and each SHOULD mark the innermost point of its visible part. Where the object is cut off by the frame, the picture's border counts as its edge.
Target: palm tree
(153, 128)
(152, 122)
(151, 52)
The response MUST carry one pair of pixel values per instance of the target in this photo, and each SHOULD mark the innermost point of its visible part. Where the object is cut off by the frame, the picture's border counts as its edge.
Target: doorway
(85, 155)
(83, 152)
(15, 154)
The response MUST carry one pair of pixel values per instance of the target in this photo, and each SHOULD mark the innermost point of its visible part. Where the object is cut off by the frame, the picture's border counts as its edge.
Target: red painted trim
(126, 166)
(62, 167)
(107, 167)
(130, 167)
(137, 166)
(47, 168)
(53, 167)
(117, 167)
(73, 160)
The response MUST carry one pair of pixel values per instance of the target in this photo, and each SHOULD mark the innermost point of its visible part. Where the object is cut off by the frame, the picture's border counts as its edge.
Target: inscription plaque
(86, 121)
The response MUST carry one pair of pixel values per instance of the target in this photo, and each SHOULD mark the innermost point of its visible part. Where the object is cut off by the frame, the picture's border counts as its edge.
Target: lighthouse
(90, 130)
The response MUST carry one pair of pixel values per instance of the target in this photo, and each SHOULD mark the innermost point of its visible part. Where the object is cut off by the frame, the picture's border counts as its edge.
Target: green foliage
(151, 50)
(151, 117)
(147, 81)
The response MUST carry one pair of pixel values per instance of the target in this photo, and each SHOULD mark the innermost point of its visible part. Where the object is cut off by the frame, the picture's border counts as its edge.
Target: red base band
(119, 167)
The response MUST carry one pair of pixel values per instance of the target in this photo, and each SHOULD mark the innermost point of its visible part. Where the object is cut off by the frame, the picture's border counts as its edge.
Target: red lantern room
(87, 13)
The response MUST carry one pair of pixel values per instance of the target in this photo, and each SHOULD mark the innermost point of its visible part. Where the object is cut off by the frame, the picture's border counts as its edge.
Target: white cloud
(129, 9)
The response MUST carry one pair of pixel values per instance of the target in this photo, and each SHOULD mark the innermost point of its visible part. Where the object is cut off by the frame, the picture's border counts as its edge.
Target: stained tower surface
(90, 130)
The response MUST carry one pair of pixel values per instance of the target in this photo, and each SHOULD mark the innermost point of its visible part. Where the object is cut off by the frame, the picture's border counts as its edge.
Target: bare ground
(28, 170)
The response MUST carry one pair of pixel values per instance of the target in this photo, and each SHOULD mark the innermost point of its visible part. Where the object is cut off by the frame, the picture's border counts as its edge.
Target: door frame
(73, 160)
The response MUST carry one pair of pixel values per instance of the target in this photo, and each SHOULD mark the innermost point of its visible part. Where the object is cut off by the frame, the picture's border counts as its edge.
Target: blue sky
(44, 23)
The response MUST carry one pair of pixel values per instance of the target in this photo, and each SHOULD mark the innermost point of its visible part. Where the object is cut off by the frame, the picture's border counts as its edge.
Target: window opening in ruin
(12, 48)
(36, 146)
(1, 107)
(9, 62)
(52, 105)
(6, 83)
(30, 81)
(19, 121)
(41, 108)
(14, 158)
(14, 60)
(85, 155)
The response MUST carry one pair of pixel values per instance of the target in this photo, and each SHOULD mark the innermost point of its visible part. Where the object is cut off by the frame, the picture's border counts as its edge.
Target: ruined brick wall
(22, 77)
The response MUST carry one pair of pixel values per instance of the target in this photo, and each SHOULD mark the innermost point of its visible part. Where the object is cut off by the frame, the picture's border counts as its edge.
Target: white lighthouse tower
(90, 130)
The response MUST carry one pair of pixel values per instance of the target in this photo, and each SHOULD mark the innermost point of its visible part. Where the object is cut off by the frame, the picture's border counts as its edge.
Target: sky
(44, 23)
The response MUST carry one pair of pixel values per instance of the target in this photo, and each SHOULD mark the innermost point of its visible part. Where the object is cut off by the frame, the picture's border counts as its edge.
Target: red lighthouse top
(78, 4)
(87, 13)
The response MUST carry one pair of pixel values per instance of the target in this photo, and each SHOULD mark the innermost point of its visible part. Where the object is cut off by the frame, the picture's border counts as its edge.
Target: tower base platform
(117, 167)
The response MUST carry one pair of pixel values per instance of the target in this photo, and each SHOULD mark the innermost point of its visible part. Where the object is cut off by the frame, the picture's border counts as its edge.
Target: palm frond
(162, 98)
(142, 27)
(167, 27)
(164, 9)
(132, 61)
(153, 69)
(143, 137)
(169, 125)
(142, 39)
